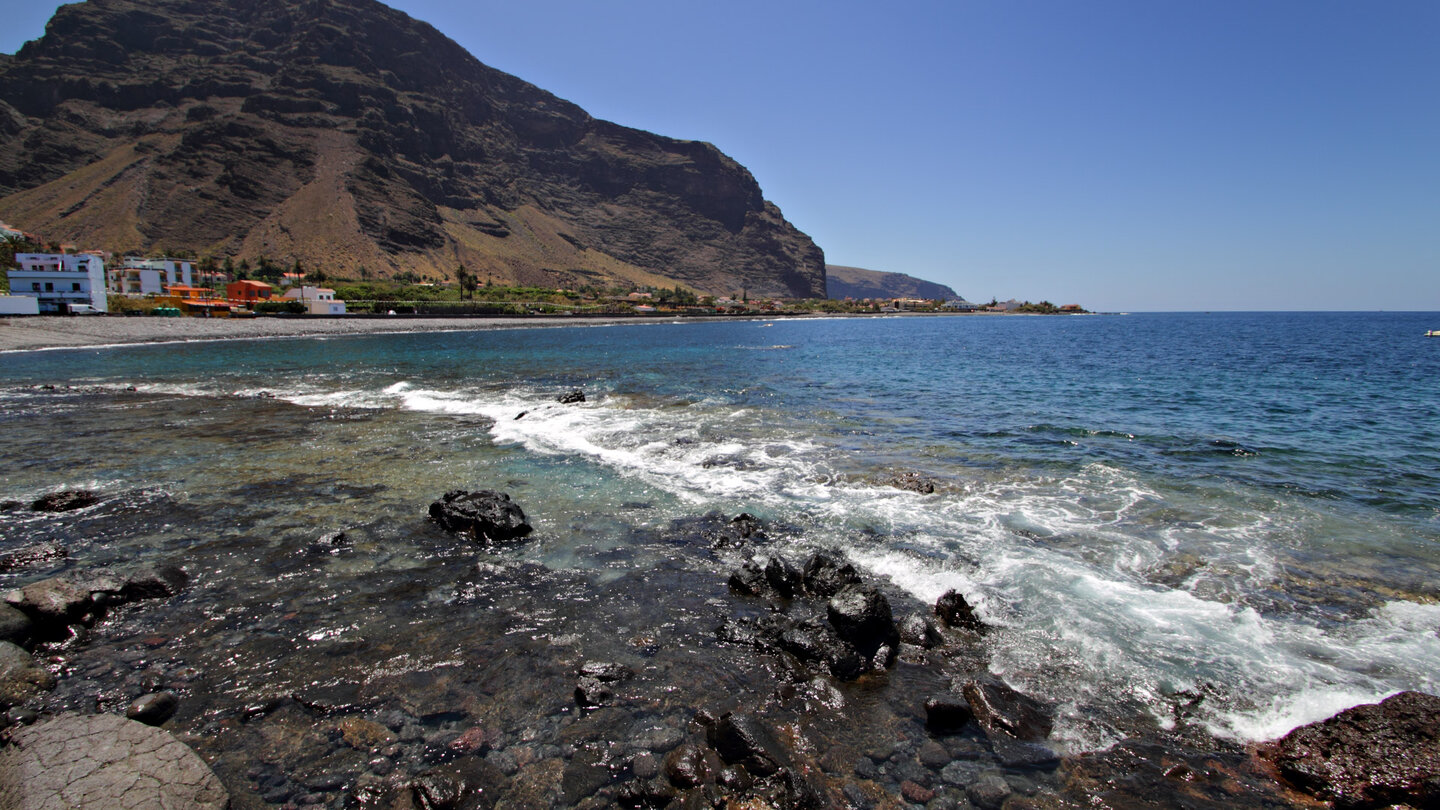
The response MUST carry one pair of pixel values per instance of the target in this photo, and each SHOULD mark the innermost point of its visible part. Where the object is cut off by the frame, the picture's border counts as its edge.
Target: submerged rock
(31, 555)
(1369, 756)
(83, 598)
(487, 516)
(65, 500)
(15, 626)
(153, 709)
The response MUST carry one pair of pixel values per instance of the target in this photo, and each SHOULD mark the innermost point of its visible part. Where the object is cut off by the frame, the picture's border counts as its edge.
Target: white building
(60, 281)
(137, 276)
(318, 300)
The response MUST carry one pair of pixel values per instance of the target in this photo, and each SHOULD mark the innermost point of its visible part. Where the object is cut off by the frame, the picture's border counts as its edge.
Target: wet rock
(644, 765)
(21, 677)
(947, 714)
(861, 616)
(365, 735)
(465, 784)
(19, 716)
(911, 482)
(31, 555)
(989, 791)
(65, 500)
(596, 685)
(645, 794)
(784, 578)
(104, 761)
(741, 739)
(487, 516)
(749, 580)
(816, 643)
(823, 577)
(737, 532)
(1016, 754)
(153, 709)
(15, 626)
(82, 598)
(584, 774)
(916, 794)
(571, 397)
(954, 611)
(688, 766)
(11, 506)
(1368, 756)
(998, 707)
(920, 631)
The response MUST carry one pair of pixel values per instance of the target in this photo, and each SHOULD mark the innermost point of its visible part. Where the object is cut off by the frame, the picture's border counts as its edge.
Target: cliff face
(345, 134)
(855, 282)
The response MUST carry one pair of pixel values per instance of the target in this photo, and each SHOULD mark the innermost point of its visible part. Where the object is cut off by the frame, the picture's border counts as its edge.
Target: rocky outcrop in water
(65, 501)
(855, 634)
(1369, 756)
(487, 516)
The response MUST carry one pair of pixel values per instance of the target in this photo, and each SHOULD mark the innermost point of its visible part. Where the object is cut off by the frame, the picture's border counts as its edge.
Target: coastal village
(66, 281)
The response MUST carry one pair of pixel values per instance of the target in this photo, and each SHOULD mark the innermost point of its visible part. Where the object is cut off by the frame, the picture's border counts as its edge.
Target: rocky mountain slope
(856, 282)
(345, 134)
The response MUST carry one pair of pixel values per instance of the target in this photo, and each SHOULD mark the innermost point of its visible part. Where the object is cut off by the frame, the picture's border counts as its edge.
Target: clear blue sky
(1121, 154)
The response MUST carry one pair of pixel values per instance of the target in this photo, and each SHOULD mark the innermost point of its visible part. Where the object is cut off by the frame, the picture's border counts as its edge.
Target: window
(74, 286)
(49, 287)
(35, 286)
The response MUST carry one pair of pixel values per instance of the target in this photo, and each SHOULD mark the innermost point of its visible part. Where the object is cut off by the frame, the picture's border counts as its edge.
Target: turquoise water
(1148, 507)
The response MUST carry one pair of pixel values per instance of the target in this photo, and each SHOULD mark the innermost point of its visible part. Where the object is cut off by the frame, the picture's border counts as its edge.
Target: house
(1004, 306)
(248, 293)
(960, 305)
(60, 281)
(137, 276)
(317, 300)
(196, 301)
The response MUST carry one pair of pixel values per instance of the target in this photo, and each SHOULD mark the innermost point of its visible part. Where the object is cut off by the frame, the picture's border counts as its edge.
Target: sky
(1126, 155)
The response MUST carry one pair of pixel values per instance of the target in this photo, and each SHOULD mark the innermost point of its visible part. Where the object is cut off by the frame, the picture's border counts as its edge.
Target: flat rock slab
(90, 762)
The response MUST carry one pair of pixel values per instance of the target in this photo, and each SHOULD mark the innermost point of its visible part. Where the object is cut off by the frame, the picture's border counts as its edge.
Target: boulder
(65, 500)
(1368, 756)
(784, 578)
(487, 516)
(571, 397)
(21, 678)
(741, 739)
(920, 631)
(749, 580)
(1000, 708)
(910, 481)
(823, 577)
(817, 643)
(954, 611)
(94, 761)
(690, 766)
(861, 615)
(736, 533)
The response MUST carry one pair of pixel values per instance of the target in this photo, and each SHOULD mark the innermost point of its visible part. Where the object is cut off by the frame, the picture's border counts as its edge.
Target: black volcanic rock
(1369, 756)
(344, 134)
(487, 516)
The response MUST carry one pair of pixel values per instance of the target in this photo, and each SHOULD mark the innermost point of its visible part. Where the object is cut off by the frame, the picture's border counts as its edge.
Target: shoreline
(59, 332)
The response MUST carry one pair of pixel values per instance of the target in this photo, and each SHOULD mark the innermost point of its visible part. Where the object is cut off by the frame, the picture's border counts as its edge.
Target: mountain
(345, 134)
(855, 282)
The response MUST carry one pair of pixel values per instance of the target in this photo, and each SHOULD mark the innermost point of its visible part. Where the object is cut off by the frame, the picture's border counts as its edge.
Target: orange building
(199, 301)
(248, 292)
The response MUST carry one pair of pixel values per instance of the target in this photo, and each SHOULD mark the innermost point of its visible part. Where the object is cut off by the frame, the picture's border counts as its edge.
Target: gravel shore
(57, 332)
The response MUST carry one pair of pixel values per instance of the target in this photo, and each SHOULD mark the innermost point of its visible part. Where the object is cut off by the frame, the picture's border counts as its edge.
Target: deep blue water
(1151, 505)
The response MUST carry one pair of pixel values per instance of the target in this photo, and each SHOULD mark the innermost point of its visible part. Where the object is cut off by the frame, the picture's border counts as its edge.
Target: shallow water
(1148, 509)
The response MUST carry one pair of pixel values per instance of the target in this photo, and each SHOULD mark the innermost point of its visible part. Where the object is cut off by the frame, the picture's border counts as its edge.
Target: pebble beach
(60, 332)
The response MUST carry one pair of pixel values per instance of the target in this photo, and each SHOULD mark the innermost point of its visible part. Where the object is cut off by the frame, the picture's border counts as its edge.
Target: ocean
(1183, 526)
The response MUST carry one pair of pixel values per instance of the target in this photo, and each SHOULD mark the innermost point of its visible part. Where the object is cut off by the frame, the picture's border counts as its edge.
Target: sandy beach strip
(59, 332)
